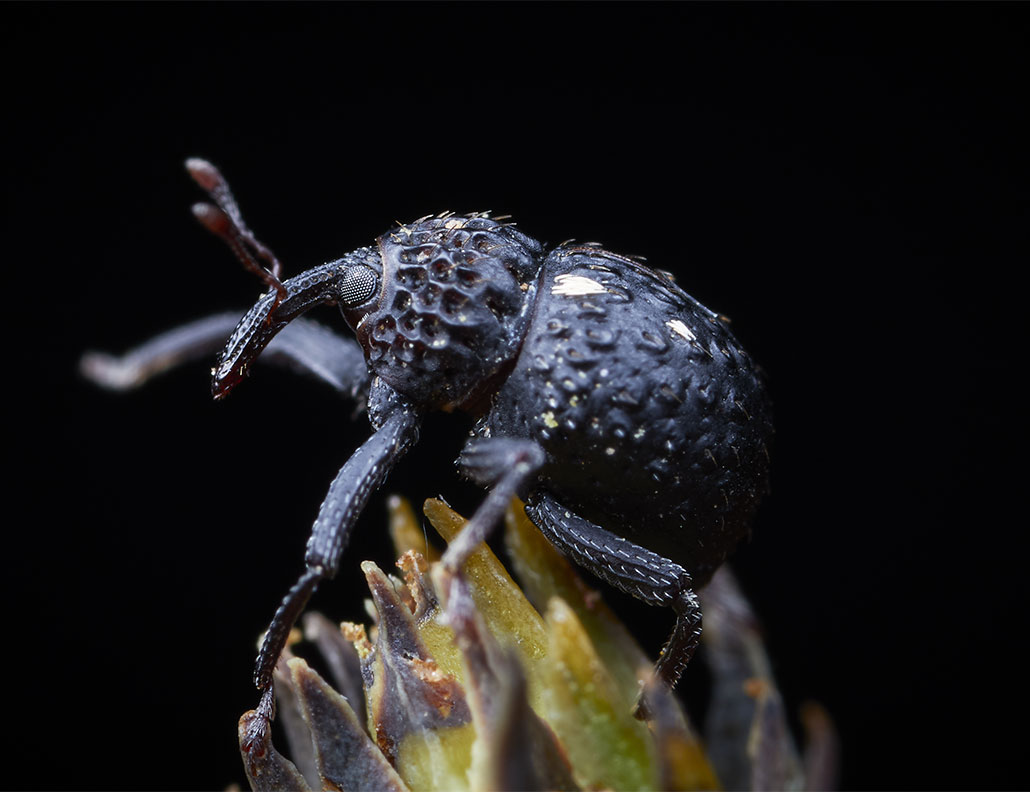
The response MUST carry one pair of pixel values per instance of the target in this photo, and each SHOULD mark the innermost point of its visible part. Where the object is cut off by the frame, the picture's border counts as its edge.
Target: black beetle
(623, 411)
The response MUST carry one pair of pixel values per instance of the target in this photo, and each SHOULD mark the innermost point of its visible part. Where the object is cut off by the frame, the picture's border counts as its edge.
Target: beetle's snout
(261, 323)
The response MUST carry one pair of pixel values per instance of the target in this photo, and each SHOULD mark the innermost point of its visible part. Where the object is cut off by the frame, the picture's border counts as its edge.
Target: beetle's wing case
(454, 306)
(639, 395)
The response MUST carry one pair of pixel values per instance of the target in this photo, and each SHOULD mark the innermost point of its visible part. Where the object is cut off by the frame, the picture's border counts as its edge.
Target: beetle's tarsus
(109, 371)
(642, 710)
(685, 638)
(257, 737)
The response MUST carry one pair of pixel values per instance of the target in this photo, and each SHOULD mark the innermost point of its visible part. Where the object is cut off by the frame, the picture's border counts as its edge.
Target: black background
(848, 182)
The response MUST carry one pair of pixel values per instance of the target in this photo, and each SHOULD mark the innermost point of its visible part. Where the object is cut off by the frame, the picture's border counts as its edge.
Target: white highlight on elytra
(576, 286)
(681, 329)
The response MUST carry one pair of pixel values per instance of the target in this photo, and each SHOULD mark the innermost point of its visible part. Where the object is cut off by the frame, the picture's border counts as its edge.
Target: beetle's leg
(314, 350)
(631, 568)
(505, 465)
(304, 345)
(360, 476)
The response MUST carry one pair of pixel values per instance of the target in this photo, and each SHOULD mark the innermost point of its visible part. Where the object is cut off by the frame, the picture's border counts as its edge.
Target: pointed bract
(345, 757)
(468, 687)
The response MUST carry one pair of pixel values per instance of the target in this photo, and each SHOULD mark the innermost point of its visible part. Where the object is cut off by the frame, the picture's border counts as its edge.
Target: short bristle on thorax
(454, 306)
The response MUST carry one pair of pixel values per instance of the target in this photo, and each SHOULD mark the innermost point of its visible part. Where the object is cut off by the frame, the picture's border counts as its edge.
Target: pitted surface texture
(455, 302)
(651, 414)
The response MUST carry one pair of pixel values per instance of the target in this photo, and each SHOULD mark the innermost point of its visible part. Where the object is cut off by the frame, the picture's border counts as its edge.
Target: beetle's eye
(358, 284)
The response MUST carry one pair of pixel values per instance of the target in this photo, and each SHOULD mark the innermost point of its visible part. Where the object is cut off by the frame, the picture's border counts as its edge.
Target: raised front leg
(506, 466)
(397, 423)
(627, 566)
(303, 346)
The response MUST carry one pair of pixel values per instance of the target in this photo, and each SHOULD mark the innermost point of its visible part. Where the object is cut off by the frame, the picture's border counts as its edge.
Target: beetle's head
(454, 306)
(439, 308)
(352, 282)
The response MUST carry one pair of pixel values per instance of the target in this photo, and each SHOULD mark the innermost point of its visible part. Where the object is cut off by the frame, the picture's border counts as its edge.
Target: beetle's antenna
(224, 220)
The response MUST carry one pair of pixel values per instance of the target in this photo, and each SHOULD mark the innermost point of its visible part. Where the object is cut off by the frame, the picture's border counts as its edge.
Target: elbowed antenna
(224, 220)
(348, 281)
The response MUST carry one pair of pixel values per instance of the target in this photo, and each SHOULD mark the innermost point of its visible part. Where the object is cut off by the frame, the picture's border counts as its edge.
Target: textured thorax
(454, 306)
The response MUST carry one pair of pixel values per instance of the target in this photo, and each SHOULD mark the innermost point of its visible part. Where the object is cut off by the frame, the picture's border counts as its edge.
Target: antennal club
(223, 219)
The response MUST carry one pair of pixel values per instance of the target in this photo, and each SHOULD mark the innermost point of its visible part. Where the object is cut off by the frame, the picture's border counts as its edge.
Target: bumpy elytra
(625, 412)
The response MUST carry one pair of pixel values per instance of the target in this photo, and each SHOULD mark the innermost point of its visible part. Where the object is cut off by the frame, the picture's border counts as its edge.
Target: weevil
(624, 412)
